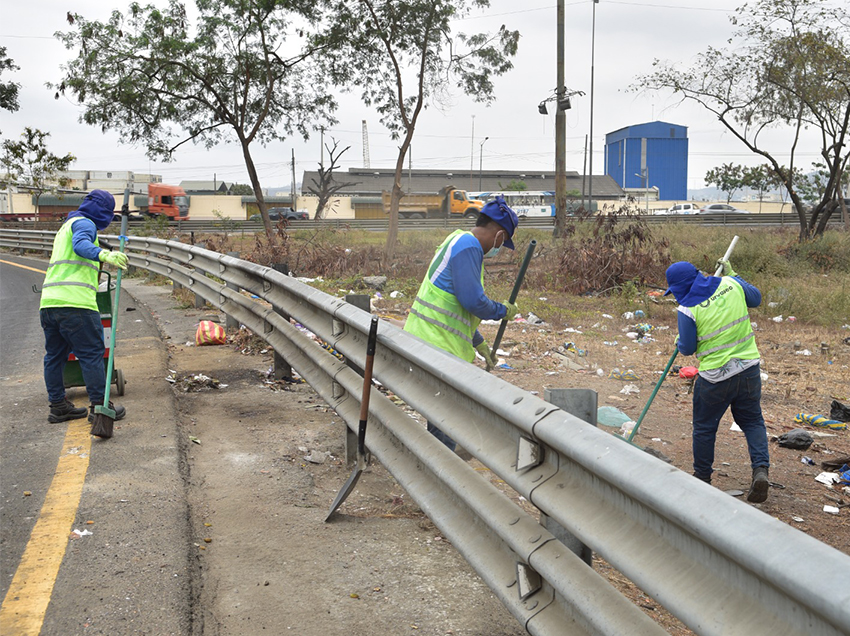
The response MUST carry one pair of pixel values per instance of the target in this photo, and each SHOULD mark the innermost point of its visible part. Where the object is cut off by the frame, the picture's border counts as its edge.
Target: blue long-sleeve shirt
(688, 326)
(83, 237)
(461, 277)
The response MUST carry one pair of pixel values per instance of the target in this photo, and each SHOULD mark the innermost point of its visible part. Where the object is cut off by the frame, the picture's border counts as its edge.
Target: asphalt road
(130, 575)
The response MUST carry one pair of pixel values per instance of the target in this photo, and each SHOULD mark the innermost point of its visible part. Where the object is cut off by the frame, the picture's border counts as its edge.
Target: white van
(683, 208)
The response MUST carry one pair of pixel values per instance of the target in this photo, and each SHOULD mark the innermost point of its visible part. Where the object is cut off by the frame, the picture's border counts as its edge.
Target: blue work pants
(741, 392)
(68, 329)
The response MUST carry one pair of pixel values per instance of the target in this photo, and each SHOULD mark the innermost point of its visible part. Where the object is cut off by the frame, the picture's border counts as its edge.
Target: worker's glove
(725, 267)
(118, 259)
(512, 310)
(489, 358)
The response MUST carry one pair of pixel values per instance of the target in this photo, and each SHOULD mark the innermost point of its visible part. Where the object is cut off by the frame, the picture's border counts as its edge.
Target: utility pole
(584, 173)
(472, 153)
(560, 135)
(592, 64)
(293, 196)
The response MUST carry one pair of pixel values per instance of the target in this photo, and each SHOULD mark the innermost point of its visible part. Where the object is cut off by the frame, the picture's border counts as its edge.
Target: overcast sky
(630, 34)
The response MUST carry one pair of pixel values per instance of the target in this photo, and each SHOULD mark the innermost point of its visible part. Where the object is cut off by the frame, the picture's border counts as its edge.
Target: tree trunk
(395, 198)
(827, 213)
(258, 191)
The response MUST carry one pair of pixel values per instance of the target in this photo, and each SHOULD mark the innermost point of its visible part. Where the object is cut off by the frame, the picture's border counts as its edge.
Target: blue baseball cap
(499, 211)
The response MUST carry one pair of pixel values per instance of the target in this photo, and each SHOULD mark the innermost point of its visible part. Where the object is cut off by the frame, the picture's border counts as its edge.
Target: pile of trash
(194, 382)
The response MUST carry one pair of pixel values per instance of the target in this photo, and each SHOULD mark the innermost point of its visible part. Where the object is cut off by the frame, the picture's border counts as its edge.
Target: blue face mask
(493, 251)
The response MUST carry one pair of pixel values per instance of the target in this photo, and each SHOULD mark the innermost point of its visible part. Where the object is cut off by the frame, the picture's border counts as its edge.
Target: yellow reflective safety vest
(436, 316)
(71, 280)
(724, 330)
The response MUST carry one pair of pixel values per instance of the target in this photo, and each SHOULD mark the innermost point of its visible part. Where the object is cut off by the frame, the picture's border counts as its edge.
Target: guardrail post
(361, 301)
(282, 369)
(200, 303)
(582, 403)
(230, 322)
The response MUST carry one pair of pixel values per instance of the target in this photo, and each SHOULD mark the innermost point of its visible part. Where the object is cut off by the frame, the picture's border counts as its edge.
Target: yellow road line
(23, 609)
(32, 269)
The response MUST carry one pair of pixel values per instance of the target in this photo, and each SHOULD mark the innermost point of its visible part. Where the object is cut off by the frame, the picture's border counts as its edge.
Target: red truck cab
(168, 200)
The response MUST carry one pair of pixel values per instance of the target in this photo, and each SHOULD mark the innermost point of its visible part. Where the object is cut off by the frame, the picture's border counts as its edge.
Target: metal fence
(718, 564)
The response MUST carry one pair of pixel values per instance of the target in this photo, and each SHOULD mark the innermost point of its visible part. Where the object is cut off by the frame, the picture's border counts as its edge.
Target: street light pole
(592, 65)
(481, 161)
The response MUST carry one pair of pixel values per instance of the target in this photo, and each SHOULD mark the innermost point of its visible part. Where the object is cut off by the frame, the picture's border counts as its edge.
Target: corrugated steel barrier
(718, 564)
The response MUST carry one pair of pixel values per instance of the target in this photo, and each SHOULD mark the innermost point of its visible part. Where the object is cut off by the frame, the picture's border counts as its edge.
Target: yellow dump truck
(448, 203)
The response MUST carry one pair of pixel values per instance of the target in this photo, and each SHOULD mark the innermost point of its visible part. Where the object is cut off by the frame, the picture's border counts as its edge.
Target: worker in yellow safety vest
(715, 325)
(69, 314)
(451, 300)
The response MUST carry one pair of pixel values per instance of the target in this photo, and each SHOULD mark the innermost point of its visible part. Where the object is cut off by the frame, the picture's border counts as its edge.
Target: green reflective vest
(436, 316)
(724, 330)
(71, 280)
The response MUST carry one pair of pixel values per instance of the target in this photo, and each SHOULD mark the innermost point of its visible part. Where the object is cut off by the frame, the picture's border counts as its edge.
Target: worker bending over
(714, 324)
(451, 300)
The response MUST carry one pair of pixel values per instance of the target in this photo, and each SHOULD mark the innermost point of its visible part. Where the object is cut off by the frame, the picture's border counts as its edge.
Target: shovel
(515, 292)
(673, 357)
(360, 464)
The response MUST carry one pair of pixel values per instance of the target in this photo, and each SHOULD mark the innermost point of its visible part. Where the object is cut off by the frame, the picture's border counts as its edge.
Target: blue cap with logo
(499, 211)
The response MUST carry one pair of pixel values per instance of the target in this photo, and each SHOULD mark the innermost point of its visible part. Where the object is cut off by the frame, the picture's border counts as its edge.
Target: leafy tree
(161, 82)
(789, 68)
(728, 178)
(402, 56)
(240, 189)
(326, 187)
(514, 185)
(8, 90)
(761, 179)
(29, 164)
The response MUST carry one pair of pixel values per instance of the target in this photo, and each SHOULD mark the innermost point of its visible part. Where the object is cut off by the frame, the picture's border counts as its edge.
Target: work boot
(758, 489)
(705, 479)
(64, 411)
(120, 411)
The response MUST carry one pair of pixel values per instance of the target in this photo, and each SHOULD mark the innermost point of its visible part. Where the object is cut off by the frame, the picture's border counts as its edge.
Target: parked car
(721, 208)
(683, 208)
(288, 214)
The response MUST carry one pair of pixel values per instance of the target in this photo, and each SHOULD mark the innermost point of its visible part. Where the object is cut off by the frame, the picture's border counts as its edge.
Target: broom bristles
(102, 426)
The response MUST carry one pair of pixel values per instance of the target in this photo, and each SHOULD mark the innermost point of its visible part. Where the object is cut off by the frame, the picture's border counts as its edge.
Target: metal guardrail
(231, 226)
(719, 565)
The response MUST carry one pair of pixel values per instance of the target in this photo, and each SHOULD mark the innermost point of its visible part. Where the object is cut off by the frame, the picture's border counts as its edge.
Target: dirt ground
(383, 567)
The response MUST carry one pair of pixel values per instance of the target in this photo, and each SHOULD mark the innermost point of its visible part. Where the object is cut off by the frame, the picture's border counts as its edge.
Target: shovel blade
(348, 486)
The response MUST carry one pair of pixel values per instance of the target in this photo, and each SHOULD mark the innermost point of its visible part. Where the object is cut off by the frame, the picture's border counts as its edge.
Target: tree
(761, 179)
(31, 165)
(789, 68)
(240, 189)
(402, 56)
(326, 187)
(727, 178)
(161, 83)
(514, 185)
(8, 90)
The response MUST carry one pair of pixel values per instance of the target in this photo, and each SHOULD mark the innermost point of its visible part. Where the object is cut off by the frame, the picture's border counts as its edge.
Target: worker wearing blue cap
(714, 324)
(451, 300)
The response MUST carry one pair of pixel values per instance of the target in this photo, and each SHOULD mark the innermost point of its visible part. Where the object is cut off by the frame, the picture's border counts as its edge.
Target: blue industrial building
(649, 155)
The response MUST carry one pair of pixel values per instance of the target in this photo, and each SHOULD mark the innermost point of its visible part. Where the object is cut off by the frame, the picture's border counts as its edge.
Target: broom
(104, 417)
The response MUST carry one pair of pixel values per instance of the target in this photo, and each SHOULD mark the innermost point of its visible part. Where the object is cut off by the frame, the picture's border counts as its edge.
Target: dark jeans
(69, 329)
(436, 432)
(742, 392)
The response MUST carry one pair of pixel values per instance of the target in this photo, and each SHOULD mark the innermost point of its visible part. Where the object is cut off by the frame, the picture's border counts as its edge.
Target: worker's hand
(512, 310)
(489, 358)
(725, 267)
(118, 259)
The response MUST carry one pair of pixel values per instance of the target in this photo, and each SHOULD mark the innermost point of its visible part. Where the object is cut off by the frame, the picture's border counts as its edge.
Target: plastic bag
(799, 439)
(687, 373)
(839, 411)
(209, 333)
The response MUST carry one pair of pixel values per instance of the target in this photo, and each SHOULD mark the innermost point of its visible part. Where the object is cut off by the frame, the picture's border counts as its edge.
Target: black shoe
(64, 411)
(120, 412)
(758, 489)
(705, 479)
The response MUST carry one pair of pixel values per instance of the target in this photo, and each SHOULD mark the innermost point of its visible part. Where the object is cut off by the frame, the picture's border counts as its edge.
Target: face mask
(493, 251)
